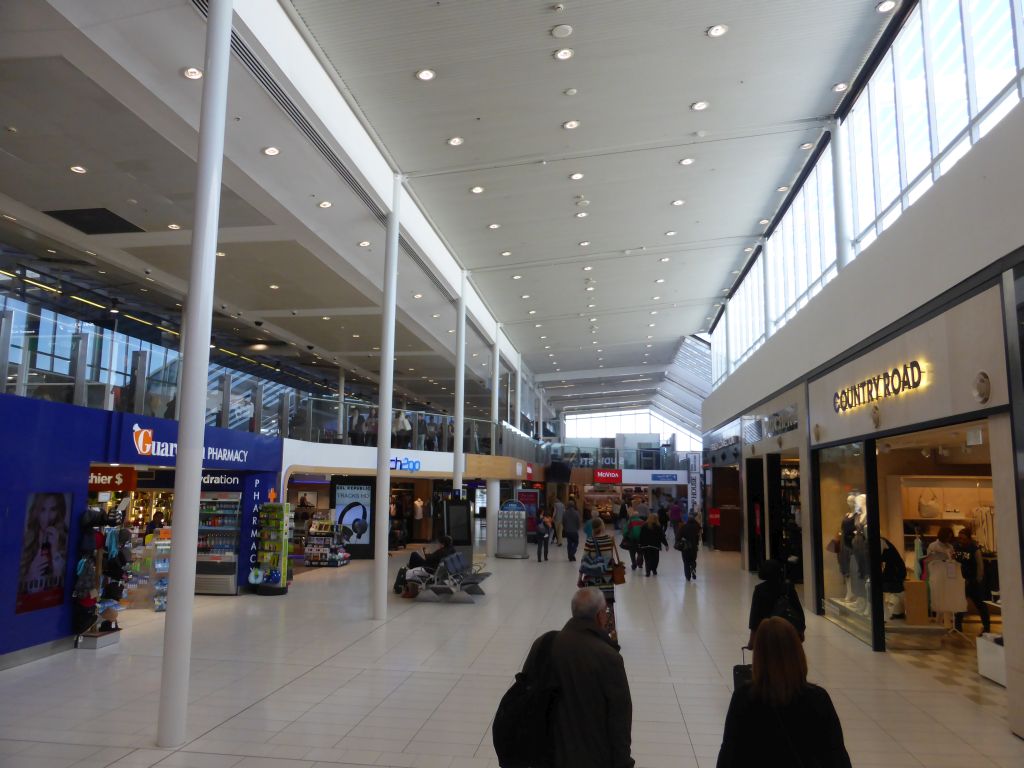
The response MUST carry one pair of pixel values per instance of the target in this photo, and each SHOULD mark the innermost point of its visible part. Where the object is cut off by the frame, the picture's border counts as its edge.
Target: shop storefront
(723, 493)
(912, 445)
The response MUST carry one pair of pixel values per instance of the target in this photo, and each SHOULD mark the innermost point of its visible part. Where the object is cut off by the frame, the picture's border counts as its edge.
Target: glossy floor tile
(308, 680)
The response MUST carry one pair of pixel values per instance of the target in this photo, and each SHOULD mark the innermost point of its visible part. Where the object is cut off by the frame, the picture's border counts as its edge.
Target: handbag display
(928, 507)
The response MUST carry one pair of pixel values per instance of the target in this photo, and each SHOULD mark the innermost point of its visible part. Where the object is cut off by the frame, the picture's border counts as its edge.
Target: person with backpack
(590, 716)
(632, 534)
(652, 539)
(688, 544)
(779, 718)
(775, 597)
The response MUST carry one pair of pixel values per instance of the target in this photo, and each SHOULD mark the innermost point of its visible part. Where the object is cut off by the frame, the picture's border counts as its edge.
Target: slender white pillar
(841, 194)
(342, 421)
(460, 387)
(493, 505)
(174, 676)
(386, 389)
(495, 390)
(519, 393)
(108, 392)
(539, 415)
(180, 371)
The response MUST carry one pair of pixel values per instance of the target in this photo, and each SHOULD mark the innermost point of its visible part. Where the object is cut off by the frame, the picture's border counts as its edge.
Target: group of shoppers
(644, 534)
(962, 548)
(778, 718)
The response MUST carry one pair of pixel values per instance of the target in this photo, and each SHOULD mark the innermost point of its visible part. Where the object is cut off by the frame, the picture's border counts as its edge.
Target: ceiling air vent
(94, 221)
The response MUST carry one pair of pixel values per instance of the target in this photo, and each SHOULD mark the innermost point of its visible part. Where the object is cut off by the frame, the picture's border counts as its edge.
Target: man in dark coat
(593, 715)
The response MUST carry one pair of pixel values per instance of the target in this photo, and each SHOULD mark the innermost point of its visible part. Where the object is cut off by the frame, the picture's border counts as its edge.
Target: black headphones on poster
(358, 526)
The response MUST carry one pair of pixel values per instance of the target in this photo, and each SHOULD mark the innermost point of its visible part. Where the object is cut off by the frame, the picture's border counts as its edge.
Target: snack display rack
(325, 545)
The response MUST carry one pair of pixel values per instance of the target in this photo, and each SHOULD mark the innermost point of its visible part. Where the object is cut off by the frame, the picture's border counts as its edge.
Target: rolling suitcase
(742, 674)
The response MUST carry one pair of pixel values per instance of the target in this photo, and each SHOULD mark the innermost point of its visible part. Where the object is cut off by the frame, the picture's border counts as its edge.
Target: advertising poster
(44, 551)
(352, 511)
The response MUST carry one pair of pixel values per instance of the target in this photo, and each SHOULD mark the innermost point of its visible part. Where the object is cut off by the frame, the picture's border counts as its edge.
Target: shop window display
(846, 558)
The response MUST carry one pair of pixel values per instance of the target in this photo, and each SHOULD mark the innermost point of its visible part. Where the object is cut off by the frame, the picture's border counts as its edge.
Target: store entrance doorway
(755, 513)
(784, 520)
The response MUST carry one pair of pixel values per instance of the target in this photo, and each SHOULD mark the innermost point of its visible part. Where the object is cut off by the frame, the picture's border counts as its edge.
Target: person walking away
(652, 539)
(593, 714)
(543, 533)
(688, 542)
(623, 517)
(663, 517)
(633, 527)
(589, 515)
(571, 528)
(558, 515)
(675, 516)
(600, 543)
(780, 718)
(774, 596)
(972, 566)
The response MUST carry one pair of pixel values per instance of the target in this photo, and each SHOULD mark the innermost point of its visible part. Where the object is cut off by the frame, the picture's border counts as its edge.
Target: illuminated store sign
(898, 381)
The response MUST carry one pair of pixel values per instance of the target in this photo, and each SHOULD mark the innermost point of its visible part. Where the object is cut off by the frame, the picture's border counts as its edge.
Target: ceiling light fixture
(326, 203)
(587, 268)
(525, 296)
(840, 87)
(749, 249)
(325, 317)
(77, 169)
(426, 75)
(590, 288)
(494, 226)
(517, 277)
(571, 125)
(192, 73)
(506, 253)
(660, 280)
(436, 315)
(716, 30)
(220, 253)
(8, 217)
(561, 31)
(271, 151)
(783, 188)
(581, 215)
(456, 141)
(687, 161)
(417, 295)
(174, 226)
(538, 325)
(364, 243)
(655, 298)
(664, 259)
(885, 6)
(274, 286)
(670, 233)
(584, 243)
(564, 54)
(532, 312)
(764, 222)
(677, 203)
(570, 91)
(807, 145)
(699, 106)
(477, 190)
(355, 335)
(575, 176)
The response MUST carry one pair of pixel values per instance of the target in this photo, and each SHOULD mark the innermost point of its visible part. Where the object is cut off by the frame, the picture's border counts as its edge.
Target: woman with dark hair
(780, 718)
(774, 596)
(652, 539)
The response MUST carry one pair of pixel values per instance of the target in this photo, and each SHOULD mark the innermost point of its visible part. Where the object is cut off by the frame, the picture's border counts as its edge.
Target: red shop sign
(112, 479)
(608, 476)
(714, 516)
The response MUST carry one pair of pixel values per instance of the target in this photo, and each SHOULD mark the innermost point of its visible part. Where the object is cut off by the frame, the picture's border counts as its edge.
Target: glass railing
(49, 356)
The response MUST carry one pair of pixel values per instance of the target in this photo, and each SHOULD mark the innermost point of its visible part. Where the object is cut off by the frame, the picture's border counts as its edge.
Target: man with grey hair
(593, 713)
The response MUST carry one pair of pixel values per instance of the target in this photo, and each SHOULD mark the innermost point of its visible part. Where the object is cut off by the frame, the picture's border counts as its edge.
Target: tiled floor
(307, 680)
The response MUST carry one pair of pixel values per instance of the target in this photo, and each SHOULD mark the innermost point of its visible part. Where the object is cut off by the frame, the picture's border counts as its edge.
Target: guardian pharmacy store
(240, 472)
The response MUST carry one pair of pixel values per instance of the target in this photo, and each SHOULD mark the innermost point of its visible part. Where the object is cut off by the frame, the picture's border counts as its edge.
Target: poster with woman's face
(44, 551)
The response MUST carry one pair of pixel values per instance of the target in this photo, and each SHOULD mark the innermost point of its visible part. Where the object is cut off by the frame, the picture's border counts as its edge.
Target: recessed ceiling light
(271, 151)
(716, 30)
(477, 190)
(590, 287)
(220, 253)
(364, 243)
(355, 335)
(807, 145)
(77, 169)
(571, 125)
(686, 161)
(563, 54)
(764, 222)
(581, 215)
(650, 325)
(435, 315)
(103, 272)
(654, 311)
(192, 73)
(660, 280)
(561, 31)
(649, 345)
(664, 259)
(885, 6)
(494, 226)
(575, 176)
(174, 226)
(538, 325)
(587, 268)
(699, 106)
(670, 233)
(8, 217)
(517, 277)
(50, 250)
(584, 243)
(655, 298)
(783, 188)
(525, 296)
(274, 286)
(749, 249)
(417, 295)
(456, 141)
(840, 87)
(326, 317)
(426, 75)
(543, 337)
(571, 91)
(650, 337)
(326, 203)
(593, 319)
(451, 330)
(678, 202)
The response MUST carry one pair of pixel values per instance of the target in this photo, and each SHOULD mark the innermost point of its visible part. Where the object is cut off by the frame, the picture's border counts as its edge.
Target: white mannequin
(851, 502)
(863, 603)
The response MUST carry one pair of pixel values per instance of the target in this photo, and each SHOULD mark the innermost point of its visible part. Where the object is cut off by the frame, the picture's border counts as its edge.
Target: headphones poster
(352, 503)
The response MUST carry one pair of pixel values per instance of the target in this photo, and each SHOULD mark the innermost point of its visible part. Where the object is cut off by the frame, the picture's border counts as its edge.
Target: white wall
(969, 219)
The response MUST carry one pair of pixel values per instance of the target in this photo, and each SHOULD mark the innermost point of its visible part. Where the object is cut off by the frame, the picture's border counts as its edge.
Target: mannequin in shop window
(854, 530)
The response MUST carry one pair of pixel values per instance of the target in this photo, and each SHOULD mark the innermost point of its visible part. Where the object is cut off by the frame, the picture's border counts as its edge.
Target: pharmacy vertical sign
(259, 489)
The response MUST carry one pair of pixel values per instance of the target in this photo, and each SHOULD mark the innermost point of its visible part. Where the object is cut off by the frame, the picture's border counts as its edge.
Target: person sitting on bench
(432, 560)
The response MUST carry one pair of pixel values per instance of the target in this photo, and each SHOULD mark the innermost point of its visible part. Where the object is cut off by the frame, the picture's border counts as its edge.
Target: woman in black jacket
(780, 718)
(652, 539)
(767, 600)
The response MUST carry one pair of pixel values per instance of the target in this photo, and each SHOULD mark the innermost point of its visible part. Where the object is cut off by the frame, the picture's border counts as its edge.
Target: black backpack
(526, 707)
(786, 609)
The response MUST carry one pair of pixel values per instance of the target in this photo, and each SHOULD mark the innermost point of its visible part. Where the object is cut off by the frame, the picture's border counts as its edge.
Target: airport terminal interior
(293, 290)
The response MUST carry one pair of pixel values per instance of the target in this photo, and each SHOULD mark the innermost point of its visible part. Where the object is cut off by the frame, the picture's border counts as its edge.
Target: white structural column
(459, 458)
(841, 194)
(342, 420)
(386, 388)
(177, 650)
(539, 416)
(519, 393)
(493, 505)
(495, 391)
(108, 391)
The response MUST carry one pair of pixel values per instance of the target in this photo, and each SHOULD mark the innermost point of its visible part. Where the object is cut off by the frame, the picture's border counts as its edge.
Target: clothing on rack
(946, 587)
